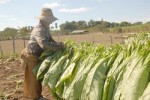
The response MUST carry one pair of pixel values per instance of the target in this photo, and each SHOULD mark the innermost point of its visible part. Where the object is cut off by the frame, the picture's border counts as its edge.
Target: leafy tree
(68, 27)
(81, 24)
(8, 32)
(25, 30)
(138, 23)
(91, 23)
(105, 26)
(147, 22)
(124, 23)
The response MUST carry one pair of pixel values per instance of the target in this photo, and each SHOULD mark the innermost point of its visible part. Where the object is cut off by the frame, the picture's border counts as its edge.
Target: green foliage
(88, 71)
(104, 26)
(8, 32)
(70, 26)
(8, 55)
(124, 23)
(116, 30)
(25, 30)
(3, 96)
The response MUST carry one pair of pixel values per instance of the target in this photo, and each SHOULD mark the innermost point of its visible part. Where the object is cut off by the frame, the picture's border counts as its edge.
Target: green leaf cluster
(89, 71)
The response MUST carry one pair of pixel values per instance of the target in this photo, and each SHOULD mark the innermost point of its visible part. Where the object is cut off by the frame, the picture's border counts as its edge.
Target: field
(7, 46)
(11, 72)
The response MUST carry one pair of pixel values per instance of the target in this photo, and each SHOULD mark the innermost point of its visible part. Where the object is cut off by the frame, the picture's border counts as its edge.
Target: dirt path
(11, 80)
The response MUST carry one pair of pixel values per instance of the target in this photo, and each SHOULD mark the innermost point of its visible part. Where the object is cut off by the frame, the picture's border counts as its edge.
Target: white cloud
(77, 10)
(146, 19)
(8, 17)
(51, 5)
(13, 19)
(98, 18)
(4, 1)
(9, 21)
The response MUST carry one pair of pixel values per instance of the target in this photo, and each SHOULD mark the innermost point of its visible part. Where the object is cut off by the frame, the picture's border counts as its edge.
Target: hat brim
(47, 19)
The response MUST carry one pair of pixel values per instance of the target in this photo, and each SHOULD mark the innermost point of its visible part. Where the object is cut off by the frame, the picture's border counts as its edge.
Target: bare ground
(11, 80)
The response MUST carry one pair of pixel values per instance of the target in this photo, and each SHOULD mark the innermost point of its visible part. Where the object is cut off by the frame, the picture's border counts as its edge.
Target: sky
(19, 13)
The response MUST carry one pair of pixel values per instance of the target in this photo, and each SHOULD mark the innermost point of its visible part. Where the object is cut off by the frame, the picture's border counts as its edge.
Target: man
(40, 40)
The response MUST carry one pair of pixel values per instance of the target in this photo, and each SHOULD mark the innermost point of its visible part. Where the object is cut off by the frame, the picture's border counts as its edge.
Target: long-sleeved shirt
(41, 40)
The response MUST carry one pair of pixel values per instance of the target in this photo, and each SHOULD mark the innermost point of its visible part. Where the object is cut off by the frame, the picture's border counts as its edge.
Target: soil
(11, 80)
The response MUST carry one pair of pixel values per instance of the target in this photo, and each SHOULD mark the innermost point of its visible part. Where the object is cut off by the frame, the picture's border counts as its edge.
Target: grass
(18, 83)
(8, 55)
(2, 96)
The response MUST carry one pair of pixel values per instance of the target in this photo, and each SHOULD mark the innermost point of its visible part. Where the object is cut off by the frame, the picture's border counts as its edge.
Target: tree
(9, 32)
(25, 30)
(81, 24)
(91, 23)
(68, 27)
(138, 23)
(103, 26)
(113, 24)
(124, 23)
(147, 23)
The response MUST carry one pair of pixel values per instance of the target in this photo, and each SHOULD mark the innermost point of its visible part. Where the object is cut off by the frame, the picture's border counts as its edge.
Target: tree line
(10, 33)
(105, 26)
(92, 26)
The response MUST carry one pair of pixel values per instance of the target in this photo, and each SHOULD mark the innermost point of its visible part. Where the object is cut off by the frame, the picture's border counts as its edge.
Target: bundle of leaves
(89, 71)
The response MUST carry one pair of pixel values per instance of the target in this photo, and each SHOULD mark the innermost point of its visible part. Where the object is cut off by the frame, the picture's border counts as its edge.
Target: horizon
(71, 21)
(14, 13)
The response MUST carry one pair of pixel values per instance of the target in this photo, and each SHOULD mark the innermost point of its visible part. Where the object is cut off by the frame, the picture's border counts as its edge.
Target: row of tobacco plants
(89, 71)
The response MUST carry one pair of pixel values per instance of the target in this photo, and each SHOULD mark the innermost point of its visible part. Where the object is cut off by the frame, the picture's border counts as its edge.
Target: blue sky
(14, 13)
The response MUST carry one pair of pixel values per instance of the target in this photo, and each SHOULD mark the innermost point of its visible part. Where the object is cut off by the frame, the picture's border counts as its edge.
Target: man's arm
(45, 44)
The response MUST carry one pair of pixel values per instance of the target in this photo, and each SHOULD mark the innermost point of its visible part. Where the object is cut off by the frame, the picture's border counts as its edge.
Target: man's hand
(62, 45)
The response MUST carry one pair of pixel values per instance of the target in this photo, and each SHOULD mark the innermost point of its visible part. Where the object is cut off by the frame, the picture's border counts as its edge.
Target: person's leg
(32, 87)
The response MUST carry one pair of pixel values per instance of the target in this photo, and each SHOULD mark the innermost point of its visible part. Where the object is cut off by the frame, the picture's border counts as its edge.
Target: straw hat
(47, 15)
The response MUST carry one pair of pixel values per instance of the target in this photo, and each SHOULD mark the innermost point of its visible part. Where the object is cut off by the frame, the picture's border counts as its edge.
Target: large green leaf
(135, 78)
(55, 71)
(146, 94)
(93, 86)
(44, 67)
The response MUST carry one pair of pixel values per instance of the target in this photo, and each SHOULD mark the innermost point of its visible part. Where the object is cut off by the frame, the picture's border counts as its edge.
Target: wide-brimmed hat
(47, 15)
